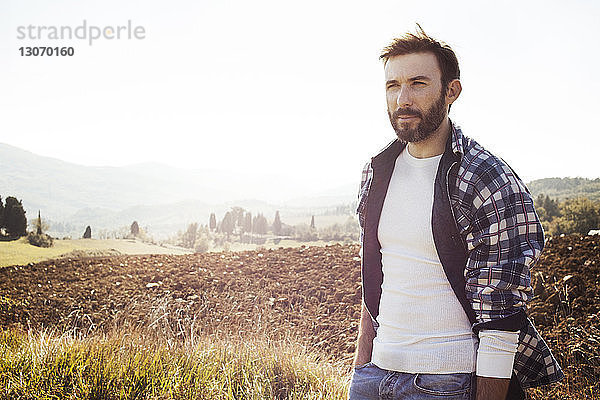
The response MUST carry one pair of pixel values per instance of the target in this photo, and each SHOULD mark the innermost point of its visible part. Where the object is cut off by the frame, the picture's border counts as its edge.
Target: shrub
(202, 245)
(41, 240)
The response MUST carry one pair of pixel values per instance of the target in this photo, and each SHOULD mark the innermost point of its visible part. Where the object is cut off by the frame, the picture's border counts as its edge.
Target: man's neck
(434, 145)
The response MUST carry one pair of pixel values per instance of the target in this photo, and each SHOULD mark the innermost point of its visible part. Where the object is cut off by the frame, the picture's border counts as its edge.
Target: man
(448, 235)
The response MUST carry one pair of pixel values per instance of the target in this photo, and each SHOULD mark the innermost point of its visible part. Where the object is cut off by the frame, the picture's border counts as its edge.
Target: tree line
(239, 225)
(566, 188)
(573, 215)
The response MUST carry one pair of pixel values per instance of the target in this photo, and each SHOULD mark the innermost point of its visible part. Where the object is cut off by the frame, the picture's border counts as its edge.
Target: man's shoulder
(367, 170)
(367, 173)
(478, 159)
(482, 173)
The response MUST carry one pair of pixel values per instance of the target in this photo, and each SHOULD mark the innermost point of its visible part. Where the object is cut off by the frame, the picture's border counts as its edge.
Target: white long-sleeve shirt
(422, 326)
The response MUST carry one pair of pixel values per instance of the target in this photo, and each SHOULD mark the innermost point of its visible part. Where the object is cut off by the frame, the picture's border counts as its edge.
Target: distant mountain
(67, 187)
(562, 188)
(161, 197)
(165, 199)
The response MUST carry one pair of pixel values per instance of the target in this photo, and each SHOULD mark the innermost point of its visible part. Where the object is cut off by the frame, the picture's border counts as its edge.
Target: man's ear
(453, 91)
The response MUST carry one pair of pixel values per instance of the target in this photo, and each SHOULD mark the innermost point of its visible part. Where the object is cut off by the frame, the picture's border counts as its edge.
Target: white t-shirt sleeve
(496, 353)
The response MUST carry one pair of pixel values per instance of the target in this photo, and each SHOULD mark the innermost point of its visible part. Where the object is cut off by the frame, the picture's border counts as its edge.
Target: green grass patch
(130, 366)
(20, 252)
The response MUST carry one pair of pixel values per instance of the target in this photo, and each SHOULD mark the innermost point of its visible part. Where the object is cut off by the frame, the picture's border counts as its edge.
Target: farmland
(308, 296)
(21, 252)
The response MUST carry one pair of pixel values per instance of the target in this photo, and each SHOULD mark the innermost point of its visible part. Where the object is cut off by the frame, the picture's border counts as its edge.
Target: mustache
(406, 112)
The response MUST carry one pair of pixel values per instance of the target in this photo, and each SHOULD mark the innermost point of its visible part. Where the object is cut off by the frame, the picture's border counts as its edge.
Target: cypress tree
(248, 222)
(135, 229)
(277, 224)
(38, 224)
(212, 223)
(1, 214)
(227, 224)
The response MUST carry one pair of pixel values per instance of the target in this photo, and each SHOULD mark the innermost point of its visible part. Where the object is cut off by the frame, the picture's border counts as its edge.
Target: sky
(295, 89)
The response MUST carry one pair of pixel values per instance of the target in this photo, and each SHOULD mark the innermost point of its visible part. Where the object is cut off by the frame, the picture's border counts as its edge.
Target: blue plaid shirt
(502, 238)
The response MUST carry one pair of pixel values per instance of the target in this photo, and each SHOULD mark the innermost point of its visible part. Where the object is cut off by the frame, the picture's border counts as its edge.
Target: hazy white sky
(296, 88)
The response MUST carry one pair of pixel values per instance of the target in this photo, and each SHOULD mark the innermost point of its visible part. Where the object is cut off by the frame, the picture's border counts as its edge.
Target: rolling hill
(162, 198)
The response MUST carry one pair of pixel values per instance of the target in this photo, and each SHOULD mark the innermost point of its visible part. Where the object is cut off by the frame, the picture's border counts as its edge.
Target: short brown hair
(420, 42)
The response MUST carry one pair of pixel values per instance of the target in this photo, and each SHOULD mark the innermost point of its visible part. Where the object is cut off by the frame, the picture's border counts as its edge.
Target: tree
(260, 224)
(227, 224)
(581, 213)
(38, 224)
(248, 222)
(277, 224)
(1, 215)
(212, 223)
(237, 216)
(312, 222)
(88, 233)
(15, 221)
(39, 238)
(188, 239)
(135, 229)
(551, 207)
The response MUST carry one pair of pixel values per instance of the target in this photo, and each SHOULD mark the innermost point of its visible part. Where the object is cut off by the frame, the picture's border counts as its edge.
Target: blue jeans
(370, 382)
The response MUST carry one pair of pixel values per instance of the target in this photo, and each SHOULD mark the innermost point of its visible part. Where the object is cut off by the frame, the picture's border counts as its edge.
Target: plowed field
(310, 295)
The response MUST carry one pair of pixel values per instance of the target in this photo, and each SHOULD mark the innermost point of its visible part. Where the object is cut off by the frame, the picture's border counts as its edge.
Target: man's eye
(418, 83)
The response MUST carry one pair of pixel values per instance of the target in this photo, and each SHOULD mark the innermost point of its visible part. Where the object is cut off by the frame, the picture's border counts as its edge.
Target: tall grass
(134, 365)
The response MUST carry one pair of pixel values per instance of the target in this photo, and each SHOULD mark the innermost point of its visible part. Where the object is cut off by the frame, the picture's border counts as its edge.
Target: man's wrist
(359, 362)
(492, 388)
(496, 353)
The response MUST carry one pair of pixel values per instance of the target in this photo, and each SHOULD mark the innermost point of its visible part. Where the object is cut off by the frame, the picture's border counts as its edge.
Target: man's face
(415, 99)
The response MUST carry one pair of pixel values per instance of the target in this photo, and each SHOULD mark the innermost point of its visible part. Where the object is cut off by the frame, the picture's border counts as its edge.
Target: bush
(41, 240)
(202, 245)
(578, 215)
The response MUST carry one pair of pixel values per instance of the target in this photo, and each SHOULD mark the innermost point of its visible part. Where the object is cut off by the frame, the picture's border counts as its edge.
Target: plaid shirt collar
(457, 139)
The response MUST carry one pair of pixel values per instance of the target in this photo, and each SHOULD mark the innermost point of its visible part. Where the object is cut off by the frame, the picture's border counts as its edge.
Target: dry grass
(163, 354)
(282, 303)
(141, 364)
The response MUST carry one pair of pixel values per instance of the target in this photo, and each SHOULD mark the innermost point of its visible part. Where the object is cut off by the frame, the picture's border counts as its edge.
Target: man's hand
(366, 334)
(492, 388)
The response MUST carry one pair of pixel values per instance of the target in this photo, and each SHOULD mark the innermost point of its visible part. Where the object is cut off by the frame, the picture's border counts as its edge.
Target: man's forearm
(495, 362)
(364, 348)
(492, 388)
(366, 334)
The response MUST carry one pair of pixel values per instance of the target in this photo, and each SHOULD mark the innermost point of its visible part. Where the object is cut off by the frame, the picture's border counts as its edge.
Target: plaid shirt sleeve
(505, 240)
(365, 182)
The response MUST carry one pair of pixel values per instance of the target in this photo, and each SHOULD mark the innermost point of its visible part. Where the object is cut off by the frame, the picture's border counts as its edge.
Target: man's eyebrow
(415, 78)
(420, 78)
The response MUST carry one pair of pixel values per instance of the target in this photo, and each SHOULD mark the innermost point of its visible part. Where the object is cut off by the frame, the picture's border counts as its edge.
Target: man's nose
(404, 98)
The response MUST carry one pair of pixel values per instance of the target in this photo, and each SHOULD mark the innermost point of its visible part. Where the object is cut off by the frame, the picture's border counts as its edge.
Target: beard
(428, 124)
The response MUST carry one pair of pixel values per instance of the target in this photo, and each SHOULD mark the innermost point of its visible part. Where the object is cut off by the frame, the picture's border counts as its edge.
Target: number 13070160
(47, 51)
